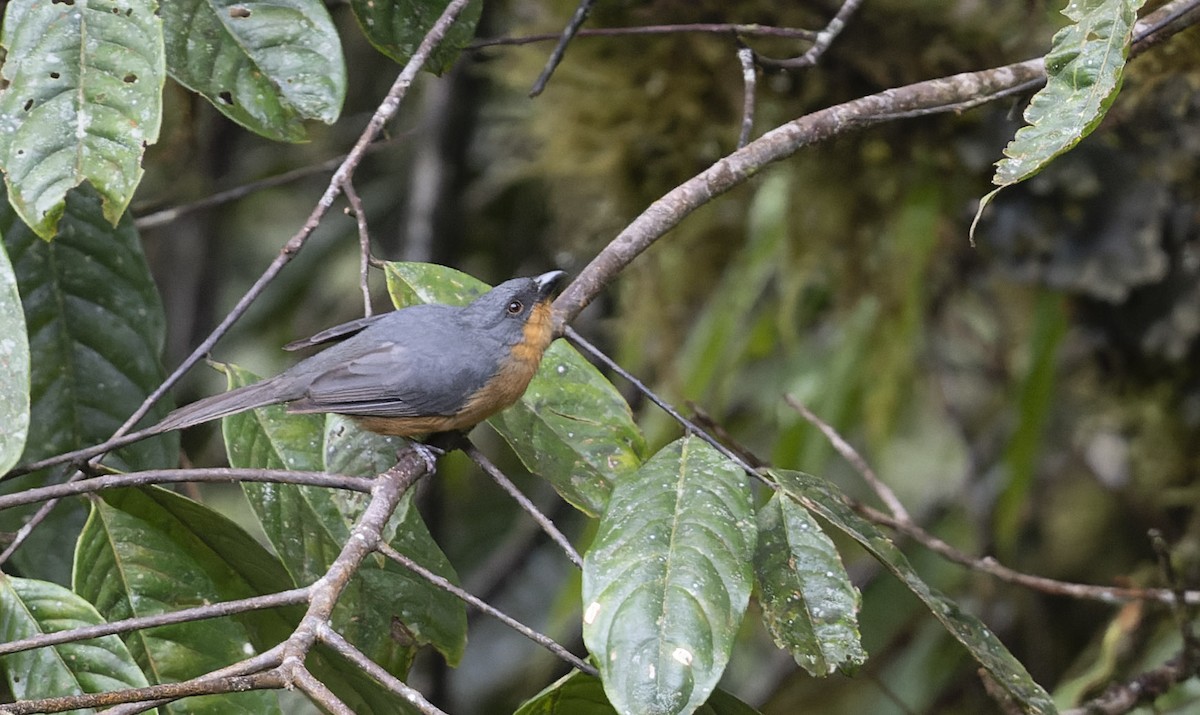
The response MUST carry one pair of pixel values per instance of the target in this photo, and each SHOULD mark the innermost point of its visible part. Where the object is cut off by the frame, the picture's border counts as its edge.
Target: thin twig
(665, 406)
(749, 82)
(1145, 688)
(824, 39)
(176, 476)
(174, 213)
(364, 244)
(1183, 619)
(992, 567)
(319, 693)
(199, 613)
(78, 456)
(344, 648)
(579, 17)
(543, 640)
(204, 685)
(523, 501)
(708, 28)
(882, 490)
(254, 664)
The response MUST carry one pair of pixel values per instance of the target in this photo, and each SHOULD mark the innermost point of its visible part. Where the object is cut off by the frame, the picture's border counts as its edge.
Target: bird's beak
(547, 283)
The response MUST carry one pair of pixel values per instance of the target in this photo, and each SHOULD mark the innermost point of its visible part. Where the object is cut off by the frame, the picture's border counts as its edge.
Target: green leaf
(237, 564)
(309, 525)
(29, 608)
(817, 495)
(267, 65)
(667, 579)
(83, 98)
(133, 560)
(1084, 69)
(396, 28)
(14, 367)
(571, 427)
(808, 603)
(581, 694)
(96, 331)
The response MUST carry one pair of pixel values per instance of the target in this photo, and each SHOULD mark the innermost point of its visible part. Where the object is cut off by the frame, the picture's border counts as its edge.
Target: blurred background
(1034, 396)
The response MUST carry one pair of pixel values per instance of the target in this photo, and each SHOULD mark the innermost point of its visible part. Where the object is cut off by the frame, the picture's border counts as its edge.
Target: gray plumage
(424, 360)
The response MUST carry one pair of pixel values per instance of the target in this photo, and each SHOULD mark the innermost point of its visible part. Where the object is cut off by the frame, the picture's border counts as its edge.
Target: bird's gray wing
(337, 332)
(432, 374)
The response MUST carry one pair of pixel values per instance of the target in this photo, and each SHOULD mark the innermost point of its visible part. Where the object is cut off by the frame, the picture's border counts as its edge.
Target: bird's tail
(260, 394)
(240, 399)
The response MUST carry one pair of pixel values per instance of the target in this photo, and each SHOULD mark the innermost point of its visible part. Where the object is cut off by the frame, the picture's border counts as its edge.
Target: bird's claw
(429, 453)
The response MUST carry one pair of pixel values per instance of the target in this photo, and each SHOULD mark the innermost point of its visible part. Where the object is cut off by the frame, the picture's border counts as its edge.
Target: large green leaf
(308, 527)
(29, 608)
(96, 331)
(82, 99)
(808, 603)
(667, 579)
(581, 694)
(135, 559)
(14, 367)
(396, 28)
(1084, 69)
(817, 495)
(571, 427)
(267, 65)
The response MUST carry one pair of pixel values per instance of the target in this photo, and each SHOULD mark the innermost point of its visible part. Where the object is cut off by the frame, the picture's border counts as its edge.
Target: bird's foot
(429, 453)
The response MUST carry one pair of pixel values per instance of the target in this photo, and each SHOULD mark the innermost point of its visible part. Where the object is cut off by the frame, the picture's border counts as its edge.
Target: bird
(410, 372)
(413, 371)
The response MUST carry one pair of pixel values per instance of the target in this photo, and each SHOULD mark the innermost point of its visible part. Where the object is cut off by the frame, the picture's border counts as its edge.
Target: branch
(848, 453)
(749, 84)
(523, 501)
(175, 476)
(334, 640)
(364, 538)
(319, 693)
(165, 216)
(543, 640)
(824, 39)
(953, 93)
(204, 685)
(992, 567)
(1143, 689)
(364, 244)
(712, 28)
(579, 17)
(199, 613)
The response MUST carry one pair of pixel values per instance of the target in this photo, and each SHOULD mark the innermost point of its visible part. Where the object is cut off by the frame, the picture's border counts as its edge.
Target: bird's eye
(515, 307)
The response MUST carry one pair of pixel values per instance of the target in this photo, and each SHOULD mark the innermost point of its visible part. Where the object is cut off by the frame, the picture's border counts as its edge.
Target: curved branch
(187, 615)
(175, 476)
(933, 96)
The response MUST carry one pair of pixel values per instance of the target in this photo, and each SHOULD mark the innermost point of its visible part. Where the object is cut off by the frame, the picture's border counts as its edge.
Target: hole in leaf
(54, 75)
(4, 83)
(20, 152)
(239, 11)
(28, 105)
(129, 78)
(62, 2)
(226, 97)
